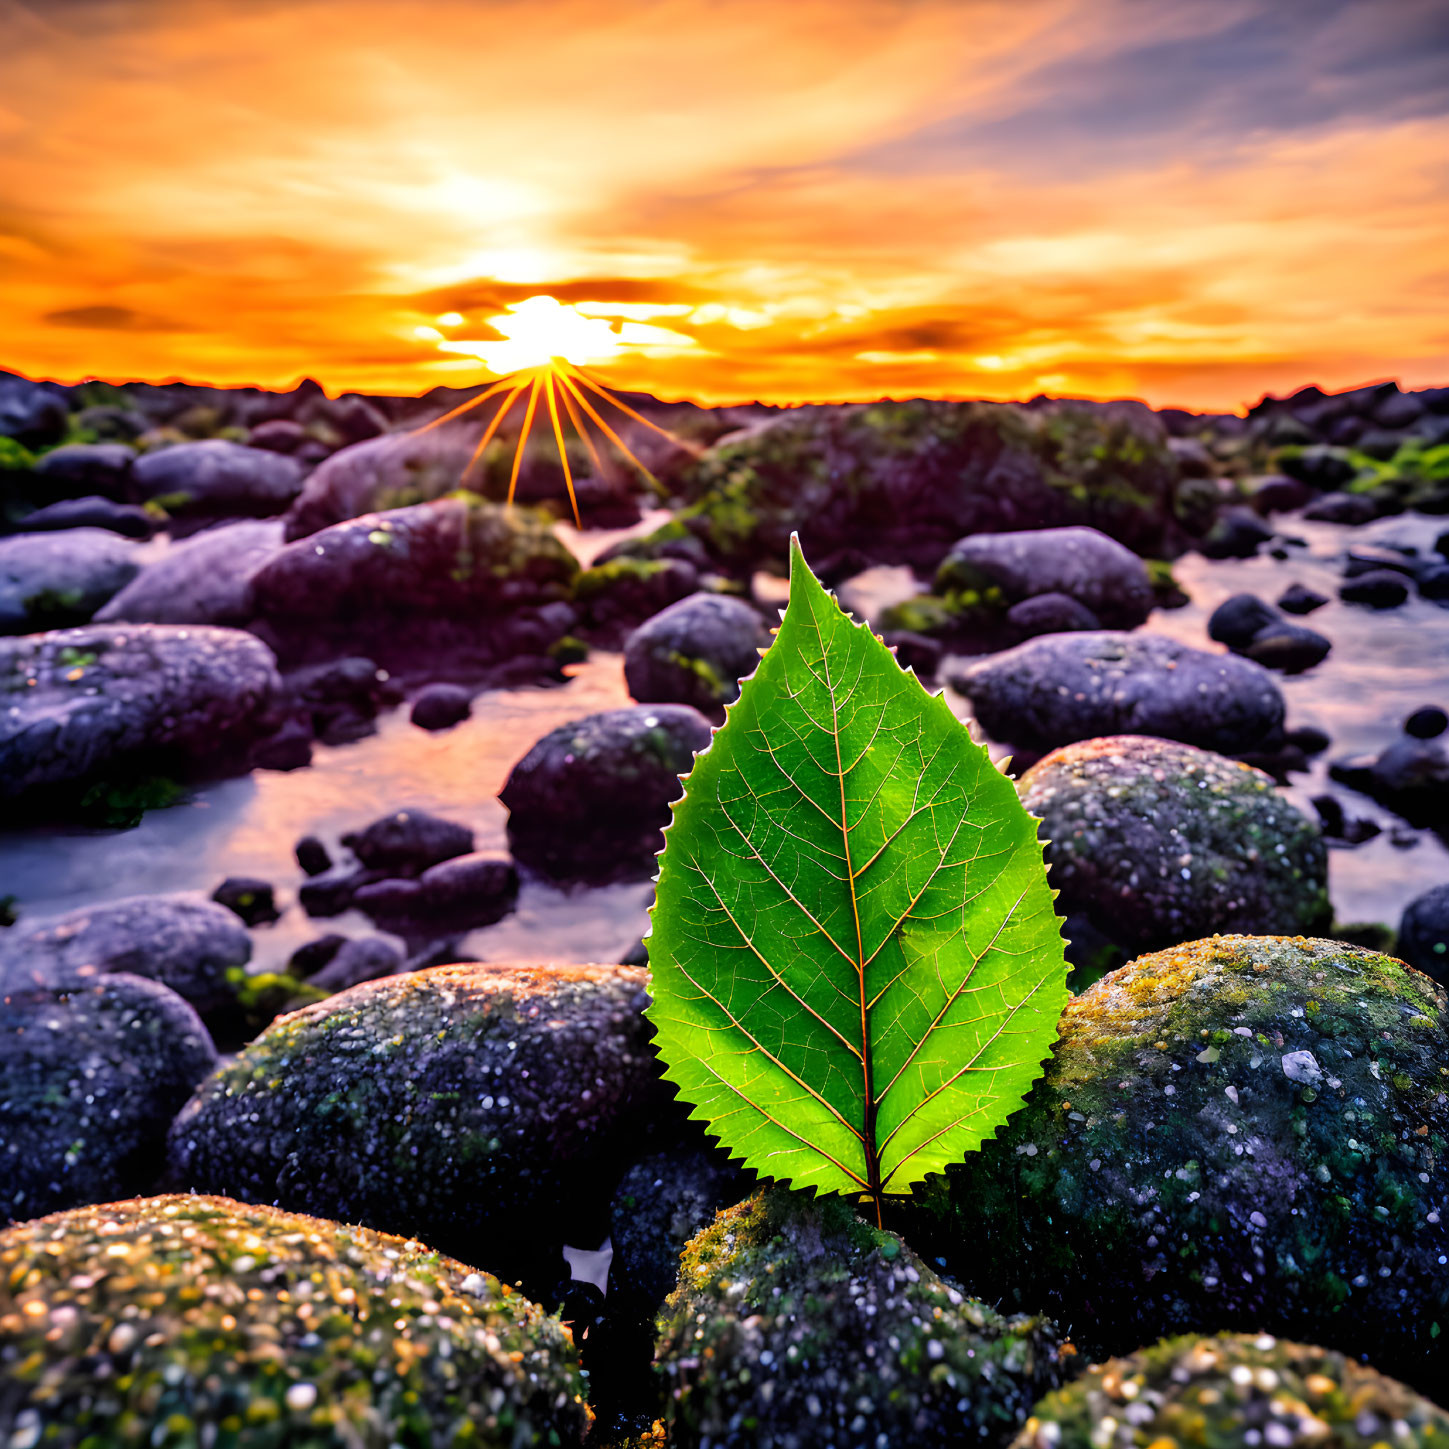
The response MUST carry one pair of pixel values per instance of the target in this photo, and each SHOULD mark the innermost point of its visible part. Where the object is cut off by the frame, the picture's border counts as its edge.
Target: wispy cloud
(1190, 201)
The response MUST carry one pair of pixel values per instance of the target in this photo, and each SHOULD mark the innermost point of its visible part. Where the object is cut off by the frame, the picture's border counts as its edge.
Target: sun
(545, 344)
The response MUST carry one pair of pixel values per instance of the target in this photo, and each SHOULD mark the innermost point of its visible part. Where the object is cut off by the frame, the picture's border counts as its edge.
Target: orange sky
(1191, 201)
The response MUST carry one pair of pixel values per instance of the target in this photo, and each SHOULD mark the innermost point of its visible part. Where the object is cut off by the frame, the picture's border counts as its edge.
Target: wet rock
(205, 579)
(90, 512)
(81, 705)
(440, 706)
(79, 469)
(1339, 825)
(1426, 723)
(1379, 588)
(278, 435)
(182, 940)
(916, 652)
(900, 482)
(1155, 842)
(1233, 1389)
(381, 474)
(90, 1078)
(1239, 619)
(1289, 648)
(51, 580)
(32, 413)
(1348, 508)
(1278, 493)
(595, 794)
(1192, 457)
(695, 652)
(493, 1105)
(1237, 533)
(1409, 776)
(1050, 614)
(1096, 571)
(1308, 739)
(312, 855)
(1237, 1133)
(1423, 939)
(274, 1322)
(217, 478)
(340, 699)
(467, 582)
(311, 956)
(618, 593)
(1319, 466)
(408, 841)
(1066, 687)
(794, 1323)
(1299, 599)
(250, 899)
(1433, 582)
(330, 892)
(461, 894)
(363, 958)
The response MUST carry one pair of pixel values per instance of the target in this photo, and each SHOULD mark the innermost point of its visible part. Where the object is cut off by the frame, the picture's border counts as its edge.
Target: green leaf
(856, 967)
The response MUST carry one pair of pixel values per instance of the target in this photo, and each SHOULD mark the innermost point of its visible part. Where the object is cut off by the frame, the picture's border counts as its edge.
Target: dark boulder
(363, 958)
(1320, 466)
(1050, 614)
(312, 855)
(1239, 619)
(407, 842)
(861, 1343)
(52, 580)
(440, 706)
(1348, 508)
(1237, 1133)
(1237, 533)
(1423, 939)
(111, 699)
(183, 940)
(205, 579)
(278, 435)
(695, 652)
(33, 413)
(251, 899)
(615, 594)
(1065, 687)
(200, 1314)
(1278, 493)
(1299, 599)
(1427, 722)
(81, 469)
(467, 1105)
(90, 512)
(1378, 588)
(216, 478)
(90, 1078)
(339, 699)
(1154, 842)
(1097, 571)
(595, 794)
(1288, 648)
(456, 895)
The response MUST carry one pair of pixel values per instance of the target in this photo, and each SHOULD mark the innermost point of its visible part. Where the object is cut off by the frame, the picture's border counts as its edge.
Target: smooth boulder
(90, 1078)
(795, 1323)
(695, 652)
(78, 705)
(1061, 688)
(1155, 842)
(204, 579)
(157, 1320)
(78, 469)
(596, 793)
(90, 512)
(469, 1105)
(217, 477)
(408, 842)
(1230, 1389)
(182, 940)
(1423, 939)
(52, 580)
(1239, 1133)
(1082, 563)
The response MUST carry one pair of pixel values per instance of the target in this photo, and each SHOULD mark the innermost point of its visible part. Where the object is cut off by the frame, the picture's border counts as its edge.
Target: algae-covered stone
(796, 1324)
(196, 1320)
(487, 1109)
(90, 1078)
(695, 652)
(1245, 1132)
(1156, 842)
(1234, 1389)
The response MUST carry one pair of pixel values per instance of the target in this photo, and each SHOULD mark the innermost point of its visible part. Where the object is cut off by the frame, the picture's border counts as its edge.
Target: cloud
(1184, 199)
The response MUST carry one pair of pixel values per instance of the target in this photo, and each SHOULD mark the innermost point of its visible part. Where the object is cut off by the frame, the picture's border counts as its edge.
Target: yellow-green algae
(1231, 1391)
(199, 1323)
(795, 1323)
(1244, 1132)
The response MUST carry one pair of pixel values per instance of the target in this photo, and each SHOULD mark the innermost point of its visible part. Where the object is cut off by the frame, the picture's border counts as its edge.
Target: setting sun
(535, 332)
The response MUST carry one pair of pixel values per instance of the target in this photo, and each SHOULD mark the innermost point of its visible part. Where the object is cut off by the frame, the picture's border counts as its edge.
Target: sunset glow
(821, 201)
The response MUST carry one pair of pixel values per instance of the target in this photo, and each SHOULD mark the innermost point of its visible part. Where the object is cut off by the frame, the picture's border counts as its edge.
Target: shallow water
(1384, 664)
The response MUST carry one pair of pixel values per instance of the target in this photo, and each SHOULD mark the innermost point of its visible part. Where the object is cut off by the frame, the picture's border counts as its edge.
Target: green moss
(53, 608)
(274, 1329)
(121, 804)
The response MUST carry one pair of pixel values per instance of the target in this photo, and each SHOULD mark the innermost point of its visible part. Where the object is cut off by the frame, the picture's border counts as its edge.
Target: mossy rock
(178, 1321)
(1231, 1390)
(796, 1324)
(1155, 842)
(489, 1110)
(1245, 1132)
